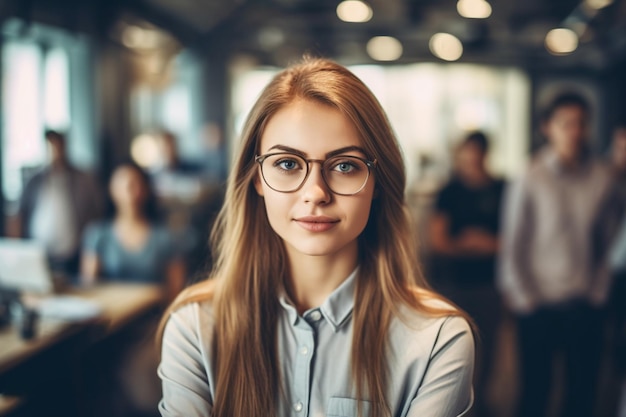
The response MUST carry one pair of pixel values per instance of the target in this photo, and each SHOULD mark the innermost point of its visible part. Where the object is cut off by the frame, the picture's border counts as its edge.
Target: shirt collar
(335, 310)
(552, 161)
(338, 306)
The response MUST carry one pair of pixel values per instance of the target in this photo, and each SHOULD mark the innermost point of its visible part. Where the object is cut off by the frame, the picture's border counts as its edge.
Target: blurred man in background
(618, 264)
(56, 204)
(465, 242)
(554, 271)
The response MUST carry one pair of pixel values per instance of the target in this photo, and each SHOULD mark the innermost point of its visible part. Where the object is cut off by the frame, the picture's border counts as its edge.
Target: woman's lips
(316, 223)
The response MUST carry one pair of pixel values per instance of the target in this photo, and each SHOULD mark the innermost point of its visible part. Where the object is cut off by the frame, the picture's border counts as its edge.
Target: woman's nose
(314, 190)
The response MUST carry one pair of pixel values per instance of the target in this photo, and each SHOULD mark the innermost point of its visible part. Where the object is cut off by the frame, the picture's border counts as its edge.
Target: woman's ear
(258, 185)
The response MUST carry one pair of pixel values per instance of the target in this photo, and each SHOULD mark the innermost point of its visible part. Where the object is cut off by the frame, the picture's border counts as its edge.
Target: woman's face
(127, 188)
(313, 220)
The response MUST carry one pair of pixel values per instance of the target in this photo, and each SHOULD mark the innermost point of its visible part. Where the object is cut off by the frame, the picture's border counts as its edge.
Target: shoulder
(190, 327)
(448, 194)
(36, 179)
(602, 169)
(541, 164)
(98, 229)
(197, 315)
(161, 232)
(436, 325)
(80, 173)
(194, 305)
(452, 186)
(524, 182)
(166, 239)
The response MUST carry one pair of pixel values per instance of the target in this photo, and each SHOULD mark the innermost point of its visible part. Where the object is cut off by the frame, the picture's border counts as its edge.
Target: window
(431, 106)
(38, 94)
(23, 145)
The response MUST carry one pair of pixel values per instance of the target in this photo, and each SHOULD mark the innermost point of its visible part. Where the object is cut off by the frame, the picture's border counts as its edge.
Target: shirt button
(304, 350)
(315, 315)
(298, 406)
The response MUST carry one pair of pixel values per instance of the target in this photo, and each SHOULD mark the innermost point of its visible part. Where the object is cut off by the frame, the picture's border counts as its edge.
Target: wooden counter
(121, 304)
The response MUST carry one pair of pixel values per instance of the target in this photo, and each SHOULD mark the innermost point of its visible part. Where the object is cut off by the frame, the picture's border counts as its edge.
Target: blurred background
(162, 87)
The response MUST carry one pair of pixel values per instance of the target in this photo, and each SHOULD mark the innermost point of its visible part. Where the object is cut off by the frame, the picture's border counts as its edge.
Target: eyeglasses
(343, 174)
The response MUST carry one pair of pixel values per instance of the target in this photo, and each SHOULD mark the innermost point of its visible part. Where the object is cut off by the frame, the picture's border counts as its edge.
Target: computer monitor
(24, 266)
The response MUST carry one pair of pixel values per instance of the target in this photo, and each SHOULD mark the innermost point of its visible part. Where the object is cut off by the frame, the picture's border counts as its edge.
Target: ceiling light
(384, 48)
(474, 9)
(271, 38)
(561, 41)
(145, 150)
(354, 11)
(598, 4)
(446, 46)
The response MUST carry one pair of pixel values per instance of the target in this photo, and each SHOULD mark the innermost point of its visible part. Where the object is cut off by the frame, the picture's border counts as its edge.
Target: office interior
(143, 80)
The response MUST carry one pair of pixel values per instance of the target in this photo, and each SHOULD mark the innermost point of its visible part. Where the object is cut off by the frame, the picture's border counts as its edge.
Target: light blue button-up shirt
(430, 361)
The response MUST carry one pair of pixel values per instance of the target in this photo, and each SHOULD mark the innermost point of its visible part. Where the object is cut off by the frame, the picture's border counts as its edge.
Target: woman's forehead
(310, 127)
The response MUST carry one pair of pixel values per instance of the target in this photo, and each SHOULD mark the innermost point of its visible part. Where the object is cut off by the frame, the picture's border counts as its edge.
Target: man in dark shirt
(464, 235)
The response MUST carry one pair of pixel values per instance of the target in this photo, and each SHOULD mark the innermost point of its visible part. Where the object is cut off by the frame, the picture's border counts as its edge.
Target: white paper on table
(67, 307)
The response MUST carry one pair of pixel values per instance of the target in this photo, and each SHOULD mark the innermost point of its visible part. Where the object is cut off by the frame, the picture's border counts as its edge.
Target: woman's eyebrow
(288, 149)
(328, 155)
(344, 150)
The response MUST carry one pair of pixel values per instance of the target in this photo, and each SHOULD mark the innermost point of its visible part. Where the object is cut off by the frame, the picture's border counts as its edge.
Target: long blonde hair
(251, 260)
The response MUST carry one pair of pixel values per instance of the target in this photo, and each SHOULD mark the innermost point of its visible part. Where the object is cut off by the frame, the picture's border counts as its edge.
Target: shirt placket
(305, 338)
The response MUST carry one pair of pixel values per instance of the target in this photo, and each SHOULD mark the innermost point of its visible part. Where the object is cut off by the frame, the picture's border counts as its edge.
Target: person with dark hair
(56, 205)
(131, 245)
(464, 240)
(617, 161)
(557, 227)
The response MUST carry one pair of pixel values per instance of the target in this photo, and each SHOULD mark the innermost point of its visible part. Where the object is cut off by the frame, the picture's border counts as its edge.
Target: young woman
(316, 306)
(132, 246)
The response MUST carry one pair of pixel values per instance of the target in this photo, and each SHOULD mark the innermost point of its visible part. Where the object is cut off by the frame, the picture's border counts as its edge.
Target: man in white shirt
(56, 205)
(554, 271)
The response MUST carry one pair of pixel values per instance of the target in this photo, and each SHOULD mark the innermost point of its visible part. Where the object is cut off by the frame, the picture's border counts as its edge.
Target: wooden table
(120, 303)
(58, 344)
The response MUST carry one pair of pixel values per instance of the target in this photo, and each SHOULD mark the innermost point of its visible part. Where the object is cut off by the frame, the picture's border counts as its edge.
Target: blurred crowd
(547, 249)
(137, 225)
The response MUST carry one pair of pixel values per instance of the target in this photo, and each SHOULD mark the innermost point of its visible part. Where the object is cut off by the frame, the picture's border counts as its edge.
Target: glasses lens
(345, 174)
(284, 172)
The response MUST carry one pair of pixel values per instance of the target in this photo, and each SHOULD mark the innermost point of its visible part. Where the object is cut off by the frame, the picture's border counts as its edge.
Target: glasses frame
(370, 166)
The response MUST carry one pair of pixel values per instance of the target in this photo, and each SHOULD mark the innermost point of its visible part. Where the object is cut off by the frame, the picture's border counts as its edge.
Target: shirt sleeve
(606, 237)
(186, 389)
(446, 390)
(618, 253)
(516, 224)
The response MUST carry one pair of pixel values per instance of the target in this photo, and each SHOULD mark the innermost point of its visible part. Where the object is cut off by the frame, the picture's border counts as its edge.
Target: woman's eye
(287, 164)
(345, 167)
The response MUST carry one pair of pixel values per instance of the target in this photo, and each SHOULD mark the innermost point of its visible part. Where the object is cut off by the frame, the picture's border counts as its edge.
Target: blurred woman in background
(131, 245)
